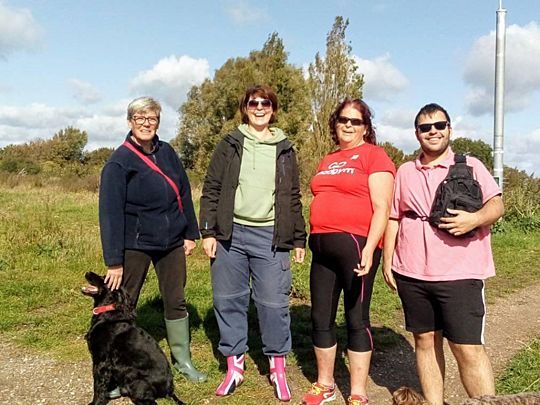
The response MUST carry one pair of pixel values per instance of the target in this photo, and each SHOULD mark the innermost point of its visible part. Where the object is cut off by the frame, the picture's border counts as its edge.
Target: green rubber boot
(114, 393)
(178, 337)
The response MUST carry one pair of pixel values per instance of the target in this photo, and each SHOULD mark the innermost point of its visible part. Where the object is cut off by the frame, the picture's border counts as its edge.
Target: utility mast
(498, 131)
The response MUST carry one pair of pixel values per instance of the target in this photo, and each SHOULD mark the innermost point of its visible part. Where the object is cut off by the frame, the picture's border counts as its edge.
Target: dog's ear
(95, 279)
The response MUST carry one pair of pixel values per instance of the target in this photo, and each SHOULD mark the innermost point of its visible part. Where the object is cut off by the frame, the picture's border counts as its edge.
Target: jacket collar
(236, 138)
(447, 162)
(155, 143)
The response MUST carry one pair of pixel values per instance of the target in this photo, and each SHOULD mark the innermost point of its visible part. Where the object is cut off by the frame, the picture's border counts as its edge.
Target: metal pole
(498, 133)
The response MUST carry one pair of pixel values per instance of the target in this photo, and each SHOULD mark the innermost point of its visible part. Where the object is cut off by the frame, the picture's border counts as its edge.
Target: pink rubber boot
(234, 377)
(279, 379)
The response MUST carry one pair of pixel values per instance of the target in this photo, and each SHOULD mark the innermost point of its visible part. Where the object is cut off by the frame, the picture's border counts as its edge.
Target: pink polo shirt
(428, 253)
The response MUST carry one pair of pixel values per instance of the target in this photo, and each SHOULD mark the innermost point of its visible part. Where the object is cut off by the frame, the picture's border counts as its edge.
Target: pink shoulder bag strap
(155, 168)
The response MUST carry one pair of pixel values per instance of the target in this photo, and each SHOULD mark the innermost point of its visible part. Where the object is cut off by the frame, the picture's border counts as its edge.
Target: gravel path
(30, 378)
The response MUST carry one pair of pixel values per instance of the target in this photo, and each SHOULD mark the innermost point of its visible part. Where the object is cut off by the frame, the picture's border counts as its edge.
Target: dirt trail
(30, 378)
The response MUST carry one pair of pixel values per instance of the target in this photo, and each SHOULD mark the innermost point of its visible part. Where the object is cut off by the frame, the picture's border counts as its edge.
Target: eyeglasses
(439, 126)
(356, 122)
(264, 102)
(142, 120)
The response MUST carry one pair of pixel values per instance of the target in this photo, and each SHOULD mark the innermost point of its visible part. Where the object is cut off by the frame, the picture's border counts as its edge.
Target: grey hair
(143, 104)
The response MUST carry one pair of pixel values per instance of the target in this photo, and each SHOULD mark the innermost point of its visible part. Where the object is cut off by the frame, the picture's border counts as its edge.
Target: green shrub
(521, 200)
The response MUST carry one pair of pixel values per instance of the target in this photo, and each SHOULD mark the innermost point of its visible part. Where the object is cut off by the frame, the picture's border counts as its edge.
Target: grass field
(48, 239)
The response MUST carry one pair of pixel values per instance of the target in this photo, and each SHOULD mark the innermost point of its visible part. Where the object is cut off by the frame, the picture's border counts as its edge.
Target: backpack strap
(413, 215)
(155, 168)
(460, 169)
(459, 158)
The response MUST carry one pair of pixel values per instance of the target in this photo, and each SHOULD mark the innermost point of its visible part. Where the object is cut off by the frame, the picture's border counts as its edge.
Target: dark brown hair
(363, 108)
(263, 91)
(430, 109)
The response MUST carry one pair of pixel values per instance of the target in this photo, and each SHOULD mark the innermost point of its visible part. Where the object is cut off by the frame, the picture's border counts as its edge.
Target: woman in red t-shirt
(352, 194)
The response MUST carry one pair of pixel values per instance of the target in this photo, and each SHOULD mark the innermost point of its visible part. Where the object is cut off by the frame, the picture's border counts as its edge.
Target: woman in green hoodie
(250, 218)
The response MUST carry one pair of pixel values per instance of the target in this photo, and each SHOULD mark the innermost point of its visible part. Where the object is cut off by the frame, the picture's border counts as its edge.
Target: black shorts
(455, 307)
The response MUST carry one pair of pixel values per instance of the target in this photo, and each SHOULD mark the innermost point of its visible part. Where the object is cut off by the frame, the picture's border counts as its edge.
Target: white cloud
(522, 152)
(106, 127)
(399, 118)
(521, 69)
(382, 80)
(18, 31)
(403, 139)
(37, 116)
(171, 78)
(396, 126)
(241, 12)
(24, 124)
(84, 92)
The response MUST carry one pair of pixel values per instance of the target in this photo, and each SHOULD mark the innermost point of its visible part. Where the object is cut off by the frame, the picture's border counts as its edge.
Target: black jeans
(335, 255)
(170, 266)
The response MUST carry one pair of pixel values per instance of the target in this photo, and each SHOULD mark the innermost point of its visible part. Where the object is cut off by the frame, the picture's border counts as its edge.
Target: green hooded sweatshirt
(254, 199)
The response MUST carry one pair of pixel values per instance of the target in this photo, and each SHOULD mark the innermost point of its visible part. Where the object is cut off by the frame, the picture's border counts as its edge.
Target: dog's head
(407, 396)
(103, 295)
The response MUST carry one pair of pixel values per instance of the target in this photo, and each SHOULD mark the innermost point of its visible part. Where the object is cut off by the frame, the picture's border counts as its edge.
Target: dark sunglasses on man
(439, 126)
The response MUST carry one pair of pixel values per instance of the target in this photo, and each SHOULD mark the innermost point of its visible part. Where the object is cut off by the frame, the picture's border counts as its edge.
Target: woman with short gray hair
(146, 215)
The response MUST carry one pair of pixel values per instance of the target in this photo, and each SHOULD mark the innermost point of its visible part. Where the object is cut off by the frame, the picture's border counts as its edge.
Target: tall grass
(49, 238)
(523, 373)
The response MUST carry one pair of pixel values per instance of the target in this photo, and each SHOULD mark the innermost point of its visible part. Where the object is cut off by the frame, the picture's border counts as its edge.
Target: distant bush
(522, 200)
(68, 183)
(22, 166)
(74, 183)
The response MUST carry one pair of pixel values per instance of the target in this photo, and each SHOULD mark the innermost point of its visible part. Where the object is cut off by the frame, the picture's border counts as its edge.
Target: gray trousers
(247, 266)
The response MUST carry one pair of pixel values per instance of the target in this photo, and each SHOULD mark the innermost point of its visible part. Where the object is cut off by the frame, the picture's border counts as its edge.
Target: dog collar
(104, 308)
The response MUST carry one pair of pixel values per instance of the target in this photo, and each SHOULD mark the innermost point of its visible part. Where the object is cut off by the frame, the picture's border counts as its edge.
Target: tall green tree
(394, 153)
(98, 157)
(476, 148)
(330, 80)
(211, 109)
(465, 146)
(67, 146)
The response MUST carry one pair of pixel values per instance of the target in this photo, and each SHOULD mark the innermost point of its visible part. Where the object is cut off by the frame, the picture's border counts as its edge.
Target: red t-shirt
(342, 202)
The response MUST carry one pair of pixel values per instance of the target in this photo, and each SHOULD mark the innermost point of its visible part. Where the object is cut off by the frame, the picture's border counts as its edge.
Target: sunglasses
(439, 126)
(264, 102)
(356, 122)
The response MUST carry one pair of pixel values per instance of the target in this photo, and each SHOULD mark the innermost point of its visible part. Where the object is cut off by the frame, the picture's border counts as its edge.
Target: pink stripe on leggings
(362, 292)
(359, 258)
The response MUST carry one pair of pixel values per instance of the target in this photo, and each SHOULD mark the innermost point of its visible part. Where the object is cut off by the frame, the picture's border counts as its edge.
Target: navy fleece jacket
(138, 209)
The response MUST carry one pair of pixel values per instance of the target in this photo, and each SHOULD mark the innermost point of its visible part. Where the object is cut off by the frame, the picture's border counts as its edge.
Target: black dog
(124, 355)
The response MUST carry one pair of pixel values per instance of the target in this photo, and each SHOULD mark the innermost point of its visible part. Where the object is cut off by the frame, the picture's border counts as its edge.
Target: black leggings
(170, 268)
(335, 255)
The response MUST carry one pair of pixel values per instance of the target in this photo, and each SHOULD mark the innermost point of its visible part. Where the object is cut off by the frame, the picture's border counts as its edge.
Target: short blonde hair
(143, 104)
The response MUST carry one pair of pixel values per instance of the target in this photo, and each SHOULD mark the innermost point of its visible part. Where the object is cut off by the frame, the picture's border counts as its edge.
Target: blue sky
(79, 63)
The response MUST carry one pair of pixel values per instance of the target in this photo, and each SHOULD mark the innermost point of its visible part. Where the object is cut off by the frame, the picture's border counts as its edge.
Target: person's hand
(113, 278)
(189, 245)
(366, 261)
(299, 255)
(460, 223)
(209, 247)
(389, 277)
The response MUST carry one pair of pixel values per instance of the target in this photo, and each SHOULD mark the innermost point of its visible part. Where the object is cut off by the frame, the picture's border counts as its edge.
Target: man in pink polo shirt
(439, 273)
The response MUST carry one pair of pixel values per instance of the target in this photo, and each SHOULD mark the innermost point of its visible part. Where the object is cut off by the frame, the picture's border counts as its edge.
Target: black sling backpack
(459, 190)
